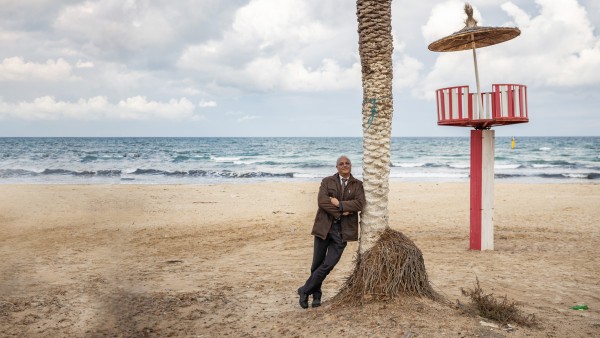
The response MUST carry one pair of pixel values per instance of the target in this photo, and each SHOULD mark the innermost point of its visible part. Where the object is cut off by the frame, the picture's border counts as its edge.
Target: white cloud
(16, 69)
(128, 25)
(520, 16)
(82, 64)
(139, 107)
(274, 21)
(96, 108)
(206, 104)
(445, 19)
(274, 45)
(407, 72)
(247, 118)
(272, 73)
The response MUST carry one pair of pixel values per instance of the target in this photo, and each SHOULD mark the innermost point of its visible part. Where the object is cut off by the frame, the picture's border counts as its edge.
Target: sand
(226, 260)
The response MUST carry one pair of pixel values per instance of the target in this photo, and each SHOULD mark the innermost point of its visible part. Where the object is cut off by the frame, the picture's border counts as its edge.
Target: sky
(212, 68)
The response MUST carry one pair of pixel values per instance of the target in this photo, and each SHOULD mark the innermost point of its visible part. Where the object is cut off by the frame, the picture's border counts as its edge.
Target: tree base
(393, 267)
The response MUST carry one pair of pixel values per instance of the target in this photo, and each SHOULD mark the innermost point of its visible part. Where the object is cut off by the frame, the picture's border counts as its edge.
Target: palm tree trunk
(389, 264)
(375, 49)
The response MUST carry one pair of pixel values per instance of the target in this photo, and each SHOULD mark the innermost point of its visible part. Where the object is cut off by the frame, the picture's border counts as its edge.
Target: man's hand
(334, 201)
(346, 213)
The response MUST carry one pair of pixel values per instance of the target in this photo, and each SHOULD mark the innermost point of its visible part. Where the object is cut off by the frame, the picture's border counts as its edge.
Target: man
(341, 197)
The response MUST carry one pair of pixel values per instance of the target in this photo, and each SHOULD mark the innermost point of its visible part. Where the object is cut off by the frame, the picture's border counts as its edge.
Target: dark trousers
(326, 255)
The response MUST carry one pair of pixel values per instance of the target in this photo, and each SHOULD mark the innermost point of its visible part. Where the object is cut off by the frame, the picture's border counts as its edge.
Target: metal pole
(480, 103)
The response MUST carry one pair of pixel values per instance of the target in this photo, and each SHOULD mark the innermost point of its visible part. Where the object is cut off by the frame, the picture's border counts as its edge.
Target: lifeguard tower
(456, 106)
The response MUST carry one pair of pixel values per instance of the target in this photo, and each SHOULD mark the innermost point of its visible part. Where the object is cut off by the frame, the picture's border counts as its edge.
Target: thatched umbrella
(473, 37)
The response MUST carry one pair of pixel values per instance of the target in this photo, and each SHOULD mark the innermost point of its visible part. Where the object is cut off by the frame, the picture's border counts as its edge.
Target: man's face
(344, 166)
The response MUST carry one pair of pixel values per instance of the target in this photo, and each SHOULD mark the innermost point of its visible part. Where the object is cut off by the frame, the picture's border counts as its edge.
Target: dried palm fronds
(394, 266)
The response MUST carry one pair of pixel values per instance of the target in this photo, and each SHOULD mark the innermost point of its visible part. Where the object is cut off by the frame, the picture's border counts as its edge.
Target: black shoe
(303, 300)
(316, 301)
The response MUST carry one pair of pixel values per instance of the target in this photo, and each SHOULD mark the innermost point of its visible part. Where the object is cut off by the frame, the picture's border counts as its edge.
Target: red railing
(506, 104)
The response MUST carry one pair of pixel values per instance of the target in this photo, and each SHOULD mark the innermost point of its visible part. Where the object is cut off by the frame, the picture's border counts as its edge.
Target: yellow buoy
(512, 144)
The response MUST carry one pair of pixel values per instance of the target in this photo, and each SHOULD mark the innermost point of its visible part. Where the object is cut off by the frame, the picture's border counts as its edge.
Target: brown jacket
(353, 201)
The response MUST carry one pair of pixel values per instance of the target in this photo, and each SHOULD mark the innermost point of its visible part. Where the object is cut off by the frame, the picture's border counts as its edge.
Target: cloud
(247, 118)
(407, 72)
(97, 108)
(81, 64)
(16, 69)
(125, 25)
(446, 18)
(206, 104)
(277, 45)
(272, 73)
(145, 33)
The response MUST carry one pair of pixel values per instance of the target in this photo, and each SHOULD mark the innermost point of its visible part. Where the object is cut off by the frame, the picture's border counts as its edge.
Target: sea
(198, 160)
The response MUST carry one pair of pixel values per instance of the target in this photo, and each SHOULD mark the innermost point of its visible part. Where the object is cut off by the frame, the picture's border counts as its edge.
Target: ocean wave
(428, 175)
(57, 172)
(593, 176)
(89, 158)
(180, 158)
(408, 164)
(304, 175)
(16, 172)
(93, 158)
(211, 173)
(147, 172)
(66, 172)
(183, 158)
(587, 176)
(551, 163)
(225, 159)
(310, 165)
(460, 165)
(502, 175)
(108, 173)
(508, 166)
(11, 173)
(555, 176)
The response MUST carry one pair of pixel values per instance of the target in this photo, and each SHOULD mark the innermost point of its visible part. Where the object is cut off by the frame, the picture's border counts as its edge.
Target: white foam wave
(429, 175)
(296, 175)
(459, 165)
(507, 166)
(225, 159)
(572, 175)
(408, 165)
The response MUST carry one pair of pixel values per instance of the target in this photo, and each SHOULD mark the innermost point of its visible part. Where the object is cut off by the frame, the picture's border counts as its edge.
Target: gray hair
(341, 157)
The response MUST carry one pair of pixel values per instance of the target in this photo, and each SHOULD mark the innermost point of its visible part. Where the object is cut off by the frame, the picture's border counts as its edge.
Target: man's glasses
(344, 163)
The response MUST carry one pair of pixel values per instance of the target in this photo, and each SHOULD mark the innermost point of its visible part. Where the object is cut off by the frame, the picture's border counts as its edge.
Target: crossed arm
(331, 204)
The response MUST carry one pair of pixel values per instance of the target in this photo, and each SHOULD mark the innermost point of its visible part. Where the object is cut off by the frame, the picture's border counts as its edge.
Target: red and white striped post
(507, 104)
(482, 189)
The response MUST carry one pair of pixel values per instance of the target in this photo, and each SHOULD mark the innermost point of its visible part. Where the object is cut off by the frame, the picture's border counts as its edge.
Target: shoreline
(159, 260)
(392, 180)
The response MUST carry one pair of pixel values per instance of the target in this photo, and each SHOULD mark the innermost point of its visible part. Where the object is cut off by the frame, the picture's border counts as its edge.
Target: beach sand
(226, 260)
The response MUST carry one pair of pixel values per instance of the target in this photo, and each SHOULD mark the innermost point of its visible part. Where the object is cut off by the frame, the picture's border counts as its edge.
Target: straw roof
(481, 36)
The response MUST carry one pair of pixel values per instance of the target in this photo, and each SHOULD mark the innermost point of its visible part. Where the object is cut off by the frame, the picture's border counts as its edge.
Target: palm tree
(375, 48)
(389, 263)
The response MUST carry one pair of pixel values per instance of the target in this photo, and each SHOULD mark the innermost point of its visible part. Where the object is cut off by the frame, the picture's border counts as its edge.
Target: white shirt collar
(342, 182)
